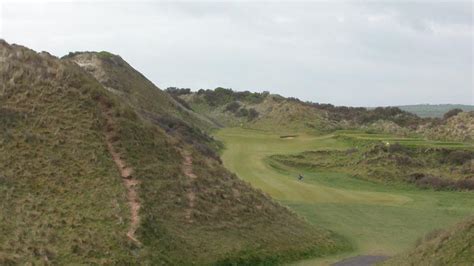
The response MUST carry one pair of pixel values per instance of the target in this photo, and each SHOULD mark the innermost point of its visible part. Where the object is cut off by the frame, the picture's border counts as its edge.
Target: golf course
(375, 217)
(236, 133)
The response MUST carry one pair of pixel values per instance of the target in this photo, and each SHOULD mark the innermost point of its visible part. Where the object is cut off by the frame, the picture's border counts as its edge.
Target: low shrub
(397, 147)
(190, 135)
(252, 114)
(451, 113)
(437, 183)
(178, 91)
(232, 107)
(465, 184)
(242, 112)
(221, 96)
(412, 178)
(459, 157)
(405, 160)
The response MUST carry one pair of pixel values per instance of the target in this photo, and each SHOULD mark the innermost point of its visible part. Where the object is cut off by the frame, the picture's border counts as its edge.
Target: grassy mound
(459, 127)
(269, 111)
(261, 111)
(62, 195)
(118, 77)
(62, 199)
(453, 246)
(265, 111)
(438, 165)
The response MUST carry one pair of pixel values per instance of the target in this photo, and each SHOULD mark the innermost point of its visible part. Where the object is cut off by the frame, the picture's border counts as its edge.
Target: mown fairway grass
(376, 218)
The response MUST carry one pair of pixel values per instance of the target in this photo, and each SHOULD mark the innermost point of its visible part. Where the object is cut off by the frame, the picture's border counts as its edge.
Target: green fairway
(378, 219)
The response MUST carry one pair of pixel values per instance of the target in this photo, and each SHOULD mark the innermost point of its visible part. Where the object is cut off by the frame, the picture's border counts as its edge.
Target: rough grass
(381, 157)
(357, 138)
(62, 197)
(378, 219)
(230, 222)
(290, 115)
(274, 113)
(451, 246)
(134, 88)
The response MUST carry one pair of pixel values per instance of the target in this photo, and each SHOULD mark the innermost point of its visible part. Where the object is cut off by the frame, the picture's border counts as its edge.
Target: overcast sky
(346, 53)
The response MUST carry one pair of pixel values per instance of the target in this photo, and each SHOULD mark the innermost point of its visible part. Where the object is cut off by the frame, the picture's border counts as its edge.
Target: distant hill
(458, 127)
(271, 112)
(434, 110)
(274, 112)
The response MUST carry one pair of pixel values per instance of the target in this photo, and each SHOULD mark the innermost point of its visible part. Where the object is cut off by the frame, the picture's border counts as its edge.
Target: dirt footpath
(126, 172)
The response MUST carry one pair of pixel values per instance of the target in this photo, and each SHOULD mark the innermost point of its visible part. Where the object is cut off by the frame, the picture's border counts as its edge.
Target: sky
(357, 53)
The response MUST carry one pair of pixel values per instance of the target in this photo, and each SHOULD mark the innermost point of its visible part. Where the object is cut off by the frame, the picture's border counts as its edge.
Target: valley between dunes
(98, 166)
(376, 218)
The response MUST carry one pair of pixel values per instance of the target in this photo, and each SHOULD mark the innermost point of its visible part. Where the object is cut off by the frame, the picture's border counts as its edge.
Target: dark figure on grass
(300, 177)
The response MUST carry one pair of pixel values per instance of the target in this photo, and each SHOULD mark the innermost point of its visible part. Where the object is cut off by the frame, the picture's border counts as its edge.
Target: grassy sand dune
(452, 246)
(68, 143)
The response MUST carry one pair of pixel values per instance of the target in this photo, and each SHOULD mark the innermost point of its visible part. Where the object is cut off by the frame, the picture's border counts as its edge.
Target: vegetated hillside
(62, 199)
(91, 178)
(151, 103)
(255, 110)
(453, 246)
(434, 110)
(273, 112)
(426, 167)
(120, 78)
(457, 126)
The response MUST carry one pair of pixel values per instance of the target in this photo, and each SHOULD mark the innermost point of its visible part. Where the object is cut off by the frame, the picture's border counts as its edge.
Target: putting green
(378, 219)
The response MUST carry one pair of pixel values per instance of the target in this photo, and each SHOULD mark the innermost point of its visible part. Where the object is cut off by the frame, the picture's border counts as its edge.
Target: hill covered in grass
(269, 111)
(118, 77)
(434, 110)
(451, 246)
(98, 166)
(457, 127)
(265, 111)
(387, 159)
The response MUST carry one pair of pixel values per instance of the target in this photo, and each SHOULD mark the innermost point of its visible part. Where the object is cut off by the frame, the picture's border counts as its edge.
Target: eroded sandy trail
(190, 195)
(188, 165)
(126, 172)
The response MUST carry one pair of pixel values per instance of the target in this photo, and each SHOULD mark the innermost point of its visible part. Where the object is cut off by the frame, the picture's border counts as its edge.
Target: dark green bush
(397, 147)
(232, 107)
(178, 91)
(221, 96)
(252, 114)
(451, 113)
(242, 112)
(459, 157)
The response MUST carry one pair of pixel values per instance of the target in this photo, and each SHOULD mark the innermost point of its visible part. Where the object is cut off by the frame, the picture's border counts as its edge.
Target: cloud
(352, 53)
(1, 19)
